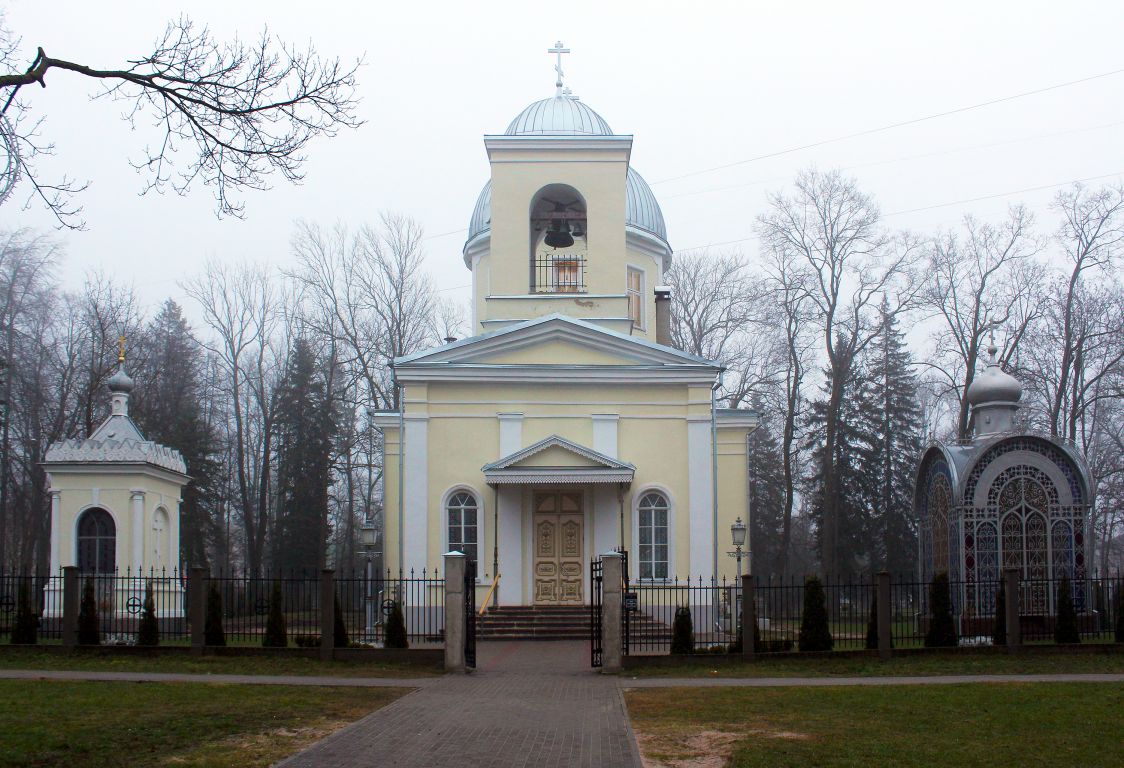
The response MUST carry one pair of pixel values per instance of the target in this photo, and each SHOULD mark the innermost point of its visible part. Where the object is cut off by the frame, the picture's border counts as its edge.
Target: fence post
(197, 607)
(1014, 626)
(327, 614)
(749, 616)
(885, 636)
(70, 606)
(612, 596)
(456, 623)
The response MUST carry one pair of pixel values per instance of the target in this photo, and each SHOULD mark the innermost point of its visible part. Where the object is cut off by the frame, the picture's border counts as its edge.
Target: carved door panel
(559, 564)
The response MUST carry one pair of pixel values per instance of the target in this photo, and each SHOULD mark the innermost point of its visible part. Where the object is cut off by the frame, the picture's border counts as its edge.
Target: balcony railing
(559, 273)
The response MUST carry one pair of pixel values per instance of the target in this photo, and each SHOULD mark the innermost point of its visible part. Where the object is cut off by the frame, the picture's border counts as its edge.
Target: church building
(568, 425)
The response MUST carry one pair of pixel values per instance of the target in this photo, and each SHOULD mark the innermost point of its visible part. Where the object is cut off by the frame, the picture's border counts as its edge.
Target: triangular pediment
(556, 459)
(555, 340)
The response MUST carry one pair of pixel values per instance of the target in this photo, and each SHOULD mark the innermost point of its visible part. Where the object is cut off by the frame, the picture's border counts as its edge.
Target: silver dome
(641, 209)
(994, 385)
(561, 115)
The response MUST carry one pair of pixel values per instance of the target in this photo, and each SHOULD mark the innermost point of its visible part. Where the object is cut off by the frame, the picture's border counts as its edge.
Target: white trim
(56, 529)
(634, 563)
(136, 532)
(605, 433)
(629, 268)
(571, 296)
(415, 491)
(547, 374)
(511, 432)
(481, 518)
(700, 497)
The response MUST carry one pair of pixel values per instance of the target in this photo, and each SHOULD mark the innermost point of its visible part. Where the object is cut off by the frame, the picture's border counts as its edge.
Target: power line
(892, 126)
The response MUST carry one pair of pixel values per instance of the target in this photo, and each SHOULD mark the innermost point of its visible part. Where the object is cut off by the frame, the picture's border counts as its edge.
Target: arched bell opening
(558, 238)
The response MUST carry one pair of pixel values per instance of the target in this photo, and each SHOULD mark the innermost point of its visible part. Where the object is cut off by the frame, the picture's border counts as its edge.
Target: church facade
(567, 425)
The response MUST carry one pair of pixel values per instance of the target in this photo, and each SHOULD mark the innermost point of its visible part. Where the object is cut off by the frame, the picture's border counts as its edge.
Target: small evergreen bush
(999, 632)
(26, 629)
(275, 633)
(339, 629)
(89, 633)
(1065, 622)
(682, 631)
(213, 633)
(396, 628)
(872, 626)
(815, 634)
(1118, 632)
(148, 633)
(942, 629)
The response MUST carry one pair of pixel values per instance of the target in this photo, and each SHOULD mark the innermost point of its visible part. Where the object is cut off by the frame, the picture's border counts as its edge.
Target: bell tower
(565, 225)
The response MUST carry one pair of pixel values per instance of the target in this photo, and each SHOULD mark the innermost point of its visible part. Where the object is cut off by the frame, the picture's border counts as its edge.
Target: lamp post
(368, 541)
(737, 534)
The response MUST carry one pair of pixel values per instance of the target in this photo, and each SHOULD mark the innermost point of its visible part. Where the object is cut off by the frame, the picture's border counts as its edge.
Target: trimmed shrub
(306, 641)
(339, 629)
(89, 631)
(396, 628)
(682, 631)
(999, 631)
(872, 626)
(148, 633)
(815, 634)
(213, 633)
(942, 629)
(275, 633)
(25, 631)
(1118, 632)
(1065, 622)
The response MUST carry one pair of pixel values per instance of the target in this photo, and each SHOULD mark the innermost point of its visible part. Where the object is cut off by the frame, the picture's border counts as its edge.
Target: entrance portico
(557, 503)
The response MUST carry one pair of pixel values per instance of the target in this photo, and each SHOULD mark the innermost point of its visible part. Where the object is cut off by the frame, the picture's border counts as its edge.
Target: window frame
(629, 269)
(669, 500)
(79, 538)
(446, 503)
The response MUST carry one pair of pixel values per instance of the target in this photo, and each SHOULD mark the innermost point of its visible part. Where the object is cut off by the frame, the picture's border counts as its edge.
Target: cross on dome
(558, 50)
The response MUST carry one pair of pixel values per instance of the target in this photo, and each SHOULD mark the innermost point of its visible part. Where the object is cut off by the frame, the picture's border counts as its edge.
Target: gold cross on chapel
(558, 50)
(121, 348)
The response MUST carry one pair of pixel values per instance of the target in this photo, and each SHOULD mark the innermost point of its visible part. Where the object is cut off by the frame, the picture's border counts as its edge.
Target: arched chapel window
(558, 240)
(653, 534)
(97, 542)
(462, 513)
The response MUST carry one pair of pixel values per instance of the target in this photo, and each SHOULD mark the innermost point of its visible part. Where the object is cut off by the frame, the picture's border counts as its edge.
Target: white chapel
(567, 425)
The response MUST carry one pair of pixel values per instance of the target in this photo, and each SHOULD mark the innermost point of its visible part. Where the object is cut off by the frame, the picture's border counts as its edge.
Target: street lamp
(368, 542)
(737, 534)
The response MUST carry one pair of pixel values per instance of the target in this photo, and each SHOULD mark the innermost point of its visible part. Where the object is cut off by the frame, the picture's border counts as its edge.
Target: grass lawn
(108, 661)
(962, 663)
(97, 725)
(1009, 724)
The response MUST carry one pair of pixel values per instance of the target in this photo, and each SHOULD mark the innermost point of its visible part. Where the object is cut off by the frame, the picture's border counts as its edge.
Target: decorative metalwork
(1031, 445)
(596, 585)
(470, 613)
(559, 273)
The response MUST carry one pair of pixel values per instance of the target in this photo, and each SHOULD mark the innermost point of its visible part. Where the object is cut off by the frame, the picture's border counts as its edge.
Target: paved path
(527, 704)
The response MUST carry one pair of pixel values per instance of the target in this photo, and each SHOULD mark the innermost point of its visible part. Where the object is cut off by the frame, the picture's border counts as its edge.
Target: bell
(559, 236)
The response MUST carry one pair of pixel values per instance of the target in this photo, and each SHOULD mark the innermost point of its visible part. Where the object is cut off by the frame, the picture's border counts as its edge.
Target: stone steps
(555, 623)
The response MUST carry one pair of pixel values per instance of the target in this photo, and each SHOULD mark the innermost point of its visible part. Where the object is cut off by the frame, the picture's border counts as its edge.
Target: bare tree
(238, 112)
(850, 262)
(977, 282)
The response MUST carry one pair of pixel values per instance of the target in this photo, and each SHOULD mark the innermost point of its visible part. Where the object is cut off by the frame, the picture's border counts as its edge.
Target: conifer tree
(682, 631)
(1065, 622)
(148, 633)
(276, 635)
(815, 634)
(213, 633)
(942, 628)
(25, 631)
(396, 628)
(89, 630)
(305, 430)
(766, 495)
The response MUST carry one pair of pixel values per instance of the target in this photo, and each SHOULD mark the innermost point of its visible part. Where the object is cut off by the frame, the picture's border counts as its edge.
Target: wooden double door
(559, 562)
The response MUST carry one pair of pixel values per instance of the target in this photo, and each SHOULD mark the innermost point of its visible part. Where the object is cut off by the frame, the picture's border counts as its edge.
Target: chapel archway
(559, 231)
(97, 542)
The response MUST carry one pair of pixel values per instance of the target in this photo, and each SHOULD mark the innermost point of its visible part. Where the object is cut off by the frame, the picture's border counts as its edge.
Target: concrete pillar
(1014, 627)
(885, 636)
(749, 616)
(612, 603)
(70, 606)
(327, 613)
(137, 532)
(456, 622)
(197, 607)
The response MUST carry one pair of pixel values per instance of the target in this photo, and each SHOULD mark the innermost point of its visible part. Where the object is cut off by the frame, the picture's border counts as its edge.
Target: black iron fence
(848, 603)
(363, 598)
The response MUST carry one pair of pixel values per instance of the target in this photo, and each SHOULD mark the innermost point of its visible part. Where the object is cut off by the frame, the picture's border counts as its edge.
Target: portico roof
(555, 461)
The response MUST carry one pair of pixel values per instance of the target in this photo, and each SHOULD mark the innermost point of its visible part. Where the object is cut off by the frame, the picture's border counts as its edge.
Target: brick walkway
(527, 704)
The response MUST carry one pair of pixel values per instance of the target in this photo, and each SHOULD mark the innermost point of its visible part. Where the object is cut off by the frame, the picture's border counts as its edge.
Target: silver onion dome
(120, 381)
(561, 115)
(641, 209)
(994, 385)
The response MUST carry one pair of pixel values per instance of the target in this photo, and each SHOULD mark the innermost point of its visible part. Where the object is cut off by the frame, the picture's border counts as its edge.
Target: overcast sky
(700, 85)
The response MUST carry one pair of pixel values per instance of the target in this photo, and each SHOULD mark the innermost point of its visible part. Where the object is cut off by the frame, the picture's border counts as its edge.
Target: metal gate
(626, 608)
(470, 614)
(596, 582)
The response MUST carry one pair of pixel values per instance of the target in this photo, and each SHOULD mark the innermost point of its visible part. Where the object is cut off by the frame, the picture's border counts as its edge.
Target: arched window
(97, 542)
(558, 240)
(652, 528)
(462, 515)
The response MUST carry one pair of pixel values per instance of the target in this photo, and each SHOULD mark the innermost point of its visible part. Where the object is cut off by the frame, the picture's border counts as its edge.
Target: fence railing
(365, 600)
(848, 602)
